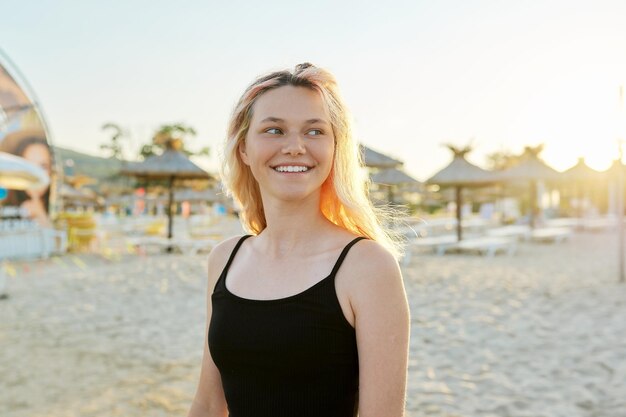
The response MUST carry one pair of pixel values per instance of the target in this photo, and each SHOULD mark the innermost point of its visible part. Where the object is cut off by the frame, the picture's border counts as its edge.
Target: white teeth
(290, 168)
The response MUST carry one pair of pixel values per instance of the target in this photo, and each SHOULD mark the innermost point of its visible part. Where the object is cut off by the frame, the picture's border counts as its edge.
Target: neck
(293, 227)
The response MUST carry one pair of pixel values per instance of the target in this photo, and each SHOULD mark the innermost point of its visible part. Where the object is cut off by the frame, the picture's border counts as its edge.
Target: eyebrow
(279, 120)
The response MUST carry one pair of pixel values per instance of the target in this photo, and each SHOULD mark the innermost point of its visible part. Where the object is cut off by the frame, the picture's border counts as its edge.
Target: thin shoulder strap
(344, 252)
(234, 252)
(220, 280)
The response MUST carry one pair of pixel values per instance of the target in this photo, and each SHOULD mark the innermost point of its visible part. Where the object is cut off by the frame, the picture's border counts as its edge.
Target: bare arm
(209, 400)
(382, 323)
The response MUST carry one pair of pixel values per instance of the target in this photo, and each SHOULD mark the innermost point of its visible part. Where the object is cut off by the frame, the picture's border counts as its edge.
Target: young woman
(307, 315)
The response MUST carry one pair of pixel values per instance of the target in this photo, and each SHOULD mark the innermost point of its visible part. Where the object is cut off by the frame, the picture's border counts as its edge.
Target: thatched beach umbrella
(461, 174)
(581, 172)
(581, 176)
(392, 178)
(373, 159)
(530, 169)
(171, 165)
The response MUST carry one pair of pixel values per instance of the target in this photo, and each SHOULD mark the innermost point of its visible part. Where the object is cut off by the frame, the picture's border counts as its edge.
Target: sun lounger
(438, 244)
(516, 231)
(594, 224)
(564, 222)
(486, 245)
(551, 234)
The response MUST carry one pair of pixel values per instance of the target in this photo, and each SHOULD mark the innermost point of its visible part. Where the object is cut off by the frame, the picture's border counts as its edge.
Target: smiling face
(290, 143)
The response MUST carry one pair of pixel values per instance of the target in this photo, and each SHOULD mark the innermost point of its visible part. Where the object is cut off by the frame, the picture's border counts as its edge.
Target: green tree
(171, 136)
(114, 147)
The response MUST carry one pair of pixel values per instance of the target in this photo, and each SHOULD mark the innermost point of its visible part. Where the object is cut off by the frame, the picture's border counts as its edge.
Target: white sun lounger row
(551, 234)
(502, 239)
(598, 223)
(484, 245)
(544, 234)
(488, 245)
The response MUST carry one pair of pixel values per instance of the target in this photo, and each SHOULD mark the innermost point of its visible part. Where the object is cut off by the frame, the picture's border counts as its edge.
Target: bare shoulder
(370, 272)
(219, 256)
(371, 261)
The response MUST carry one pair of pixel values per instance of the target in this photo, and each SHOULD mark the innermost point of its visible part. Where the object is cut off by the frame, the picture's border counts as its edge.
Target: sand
(541, 333)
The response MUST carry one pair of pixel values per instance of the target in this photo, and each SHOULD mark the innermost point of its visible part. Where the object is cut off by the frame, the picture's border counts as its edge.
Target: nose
(294, 145)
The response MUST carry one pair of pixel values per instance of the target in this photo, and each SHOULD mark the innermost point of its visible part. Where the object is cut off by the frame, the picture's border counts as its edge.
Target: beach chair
(599, 224)
(486, 245)
(572, 222)
(438, 244)
(551, 234)
(514, 231)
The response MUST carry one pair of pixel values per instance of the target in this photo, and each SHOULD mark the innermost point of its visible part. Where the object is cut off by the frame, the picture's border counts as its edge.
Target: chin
(295, 195)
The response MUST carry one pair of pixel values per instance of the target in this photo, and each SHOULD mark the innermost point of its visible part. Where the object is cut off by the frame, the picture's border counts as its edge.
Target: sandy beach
(538, 334)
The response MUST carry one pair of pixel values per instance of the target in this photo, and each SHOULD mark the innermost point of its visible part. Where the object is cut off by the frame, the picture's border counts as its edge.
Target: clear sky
(415, 74)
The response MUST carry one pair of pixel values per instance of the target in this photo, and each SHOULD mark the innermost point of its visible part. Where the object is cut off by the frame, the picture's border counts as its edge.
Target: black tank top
(288, 357)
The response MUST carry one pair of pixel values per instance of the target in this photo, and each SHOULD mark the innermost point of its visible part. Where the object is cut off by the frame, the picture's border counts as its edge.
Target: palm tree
(171, 136)
(114, 147)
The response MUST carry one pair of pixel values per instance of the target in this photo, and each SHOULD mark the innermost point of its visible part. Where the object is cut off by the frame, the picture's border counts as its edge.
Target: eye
(315, 132)
(273, 131)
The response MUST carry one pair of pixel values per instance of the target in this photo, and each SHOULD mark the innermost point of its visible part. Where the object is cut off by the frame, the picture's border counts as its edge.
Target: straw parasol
(392, 178)
(530, 169)
(581, 172)
(171, 165)
(460, 174)
(581, 175)
(373, 159)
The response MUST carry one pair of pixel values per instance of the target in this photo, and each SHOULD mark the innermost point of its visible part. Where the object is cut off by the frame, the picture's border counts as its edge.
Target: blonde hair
(344, 197)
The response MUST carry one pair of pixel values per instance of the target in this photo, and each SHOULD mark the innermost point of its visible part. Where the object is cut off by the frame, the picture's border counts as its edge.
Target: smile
(291, 168)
